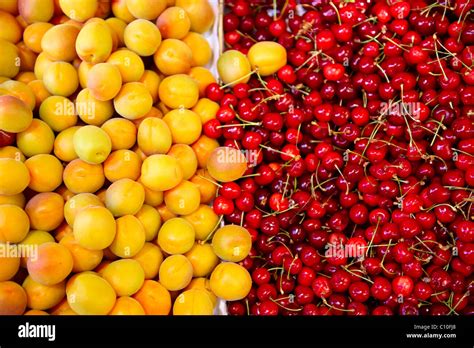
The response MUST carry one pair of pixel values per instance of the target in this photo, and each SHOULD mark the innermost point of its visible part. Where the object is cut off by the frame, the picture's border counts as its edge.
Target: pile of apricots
(105, 177)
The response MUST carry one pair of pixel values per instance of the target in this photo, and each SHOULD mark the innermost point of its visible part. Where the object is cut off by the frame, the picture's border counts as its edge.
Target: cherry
(223, 206)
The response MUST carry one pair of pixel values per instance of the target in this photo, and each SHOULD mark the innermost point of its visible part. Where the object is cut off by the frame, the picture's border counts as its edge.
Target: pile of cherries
(360, 198)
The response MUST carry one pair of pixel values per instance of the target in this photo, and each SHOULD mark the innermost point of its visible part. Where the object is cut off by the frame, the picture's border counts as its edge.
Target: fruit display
(318, 160)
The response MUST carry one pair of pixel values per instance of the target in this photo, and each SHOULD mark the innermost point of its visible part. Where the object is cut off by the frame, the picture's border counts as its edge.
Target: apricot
(226, 164)
(63, 145)
(185, 126)
(122, 164)
(62, 308)
(127, 306)
(12, 299)
(46, 211)
(89, 294)
(174, 23)
(183, 199)
(14, 176)
(200, 47)
(42, 297)
(18, 200)
(35, 312)
(81, 177)
(77, 203)
(10, 6)
(230, 281)
(150, 258)
(124, 197)
(146, 9)
(206, 185)
(14, 224)
(15, 115)
(154, 298)
(176, 236)
(161, 172)
(129, 63)
(79, 10)
(234, 67)
(142, 37)
(179, 91)
(33, 34)
(176, 272)
(20, 90)
(120, 10)
(232, 243)
(25, 77)
(203, 284)
(94, 228)
(203, 148)
(92, 144)
(42, 62)
(186, 159)
(9, 266)
(151, 221)
(206, 109)
(59, 42)
(9, 59)
(60, 78)
(104, 81)
(267, 57)
(10, 30)
(204, 221)
(130, 237)
(94, 42)
(154, 136)
(58, 112)
(200, 13)
(152, 81)
(26, 57)
(125, 276)
(91, 110)
(153, 198)
(203, 77)
(122, 133)
(165, 213)
(134, 101)
(193, 302)
(203, 259)
(173, 57)
(83, 259)
(52, 264)
(37, 139)
(40, 92)
(117, 27)
(36, 10)
(46, 172)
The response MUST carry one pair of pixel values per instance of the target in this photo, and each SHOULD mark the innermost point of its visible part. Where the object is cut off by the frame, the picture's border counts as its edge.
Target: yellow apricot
(129, 63)
(193, 302)
(130, 237)
(176, 236)
(124, 197)
(120, 10)
(45, 211)
(127, 306)
(174, 23)
(76, 203)
(232, 243)
(179, 91)
(38, 138)
(12, 152)
(80, 176)
(146, 9)
(51, 264)
(176, 272)
(104, 81)
(151, 221)
(203, 284)
(203, 259)
(202, 51)
(25, 77)
(151, 80)
(204, 221)
(40, 92)
(200, 13)
(31, 241)
(161, 172)
(20, 90)
(152, 198)
(9, 59)
(94, 42)
(15, 115)
(233, 67)
(122, 133)
(60, 78)
(94, 228)
(185, 126)
(206, 185)
(226, 164)
(58, 112)
(173, 57)
(186, 159)
(150, 258)
(9, 266)
(42, 297)
(19, 200)
(79, 10)
(165, 213)
(10, 30)
(36, 10)
(154, 136)
(230, 281)
(122, 164)
(10, 6)
(267, 57)
(46, 172)
(125, 276)
(203, 149)
(91, 110)
(142, 37)
(183, 199)
(83, 259)
(59, 42)
(89, 294)
(117, 26)
(134, 101)
(13, 299)
(206, 109)
(203, 77)
(154, 298)
(64, 146)
(33, 35)
(42, 62)
(14, 176)
(14, 224)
